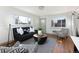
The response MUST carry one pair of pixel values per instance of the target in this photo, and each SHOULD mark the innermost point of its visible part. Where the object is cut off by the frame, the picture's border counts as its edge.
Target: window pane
(63, 23)
(58, 24)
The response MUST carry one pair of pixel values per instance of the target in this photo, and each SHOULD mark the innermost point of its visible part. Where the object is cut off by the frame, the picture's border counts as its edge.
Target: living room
(49, 21)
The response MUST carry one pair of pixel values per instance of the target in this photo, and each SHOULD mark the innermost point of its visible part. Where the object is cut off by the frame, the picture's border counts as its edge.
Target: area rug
(45, 48)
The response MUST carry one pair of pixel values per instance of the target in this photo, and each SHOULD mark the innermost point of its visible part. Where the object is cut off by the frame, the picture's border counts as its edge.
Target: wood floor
(63, 45)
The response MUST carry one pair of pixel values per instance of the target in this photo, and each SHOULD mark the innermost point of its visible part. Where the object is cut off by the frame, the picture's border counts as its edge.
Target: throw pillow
(20, 31)
(31, 29)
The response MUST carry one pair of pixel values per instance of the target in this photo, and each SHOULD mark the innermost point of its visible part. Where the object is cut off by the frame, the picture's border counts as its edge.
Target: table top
(36, 35)
(75, 41)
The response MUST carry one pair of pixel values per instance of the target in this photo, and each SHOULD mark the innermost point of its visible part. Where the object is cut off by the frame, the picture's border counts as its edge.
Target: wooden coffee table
(41, 39)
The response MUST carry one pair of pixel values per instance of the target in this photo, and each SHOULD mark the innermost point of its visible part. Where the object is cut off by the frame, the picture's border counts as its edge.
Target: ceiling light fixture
(41, 7)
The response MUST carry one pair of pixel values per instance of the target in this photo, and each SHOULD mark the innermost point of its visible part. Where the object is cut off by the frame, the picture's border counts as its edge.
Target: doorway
(43, 24)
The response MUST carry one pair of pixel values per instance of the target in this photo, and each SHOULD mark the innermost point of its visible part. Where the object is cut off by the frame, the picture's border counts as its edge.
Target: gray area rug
(45, 48)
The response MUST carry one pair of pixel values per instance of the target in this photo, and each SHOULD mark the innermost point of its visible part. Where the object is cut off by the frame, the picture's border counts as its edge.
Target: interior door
(43, 24)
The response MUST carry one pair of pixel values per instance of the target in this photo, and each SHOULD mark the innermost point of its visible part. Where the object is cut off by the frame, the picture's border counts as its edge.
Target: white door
(43, 24)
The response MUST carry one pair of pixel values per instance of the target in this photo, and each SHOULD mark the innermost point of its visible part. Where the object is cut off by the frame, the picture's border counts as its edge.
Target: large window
(23, 20)
(58, 23)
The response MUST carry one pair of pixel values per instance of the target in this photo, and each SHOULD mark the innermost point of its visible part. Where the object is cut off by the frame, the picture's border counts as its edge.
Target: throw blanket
(13, 50)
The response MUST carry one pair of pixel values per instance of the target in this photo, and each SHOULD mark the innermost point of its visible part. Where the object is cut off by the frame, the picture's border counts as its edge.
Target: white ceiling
(48, 10)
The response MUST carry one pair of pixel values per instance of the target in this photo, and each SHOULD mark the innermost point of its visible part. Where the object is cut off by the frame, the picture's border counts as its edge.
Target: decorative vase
(40, 32)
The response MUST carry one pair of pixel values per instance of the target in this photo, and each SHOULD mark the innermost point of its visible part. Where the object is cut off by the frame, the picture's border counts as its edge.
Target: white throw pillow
(31, 29)
(20, 31)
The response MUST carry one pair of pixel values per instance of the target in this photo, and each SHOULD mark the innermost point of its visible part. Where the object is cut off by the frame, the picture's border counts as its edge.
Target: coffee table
(41, 39)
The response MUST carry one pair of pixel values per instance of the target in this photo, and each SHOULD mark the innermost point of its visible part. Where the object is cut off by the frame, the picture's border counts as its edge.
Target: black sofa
(26, 35)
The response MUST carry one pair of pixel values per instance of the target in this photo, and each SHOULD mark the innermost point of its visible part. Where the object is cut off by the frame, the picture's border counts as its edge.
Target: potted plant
(40, 31)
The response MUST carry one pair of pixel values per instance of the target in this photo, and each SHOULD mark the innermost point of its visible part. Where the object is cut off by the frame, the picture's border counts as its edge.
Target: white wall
(7, 17)
(50, 29)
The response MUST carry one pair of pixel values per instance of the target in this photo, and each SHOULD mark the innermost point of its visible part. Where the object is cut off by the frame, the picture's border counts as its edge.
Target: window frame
(58, 23)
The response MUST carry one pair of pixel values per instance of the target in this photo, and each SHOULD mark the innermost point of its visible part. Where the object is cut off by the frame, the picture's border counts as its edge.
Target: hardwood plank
(64, 46)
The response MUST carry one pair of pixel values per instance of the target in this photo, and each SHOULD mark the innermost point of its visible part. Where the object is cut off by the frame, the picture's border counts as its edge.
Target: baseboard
(50, 34)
